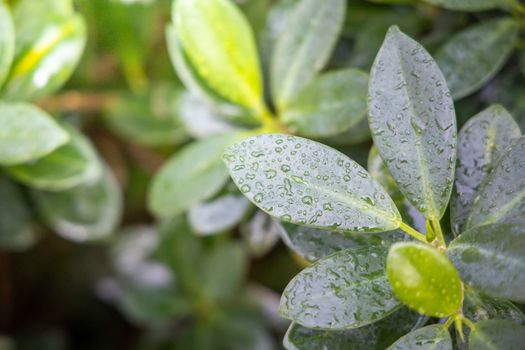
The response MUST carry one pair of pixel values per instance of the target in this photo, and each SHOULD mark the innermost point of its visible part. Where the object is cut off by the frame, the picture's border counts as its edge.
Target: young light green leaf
(502, 194)
(27, 133)
(413, 122)
(434, 337)
(219, 42)
(7, 41)
(473, 56)
(70, 165)
(307, 183)
(497, 335)
(47, 52)
(331, 104)
(87, 212)
(471, 5)
(482, 141)
(192, 175)
(304, 46)
(348, 289)
(25, 9)
(376, 336)
(491, 258)
(424, 279)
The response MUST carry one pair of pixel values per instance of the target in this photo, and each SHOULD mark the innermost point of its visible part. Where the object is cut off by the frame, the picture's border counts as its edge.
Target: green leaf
(260, 234)
(307, 183)
(434, 337)
(413, 122)
(348, 289)
(87, 212)
(482, 141)
(47, 51)
(217, 215)
(27, 133)
(491, 258)
(25, 9)
(497, 335)
(304, 47)
(479, 307)
(470, 5)
(424, 279)
(70, 165)
(331, 104)
(502, 194)
(473, 56)
(219, 42)
(7, 41)
(357, 134)
(16, 228)
(313, 244)
(376, 336)
(151, 119)
(192, 175)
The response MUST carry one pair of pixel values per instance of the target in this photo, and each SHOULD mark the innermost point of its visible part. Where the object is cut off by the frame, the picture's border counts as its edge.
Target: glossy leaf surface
(491, 258)
(192, 175)
(348, 289)
(480, 307)
(469, 5)
(7, 41)
(424, 279)
(306, 183)
(434, 337)
(27, 133)
(219, 42)
(497, 335)
(413, 122)
(473, 56)
(502, 195)
(331, 104)
(482, 141)
(304, 46)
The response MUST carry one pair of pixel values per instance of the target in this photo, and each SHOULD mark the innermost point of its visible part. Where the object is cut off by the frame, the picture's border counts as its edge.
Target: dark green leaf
(355, 135)
(497, 335)
(70, 165)
(304, 46)
(482, 141)
(376, 336)
(491, 258)
(470, 5)
(7, 41)
(348, 289)
(479, 307)
(502, 194)
(194, 174)
(473, 56)
(307, 183)
(331, 104)
(28, 133)
(413, 122)
(434, 337)
(86, 212)
(424, 279)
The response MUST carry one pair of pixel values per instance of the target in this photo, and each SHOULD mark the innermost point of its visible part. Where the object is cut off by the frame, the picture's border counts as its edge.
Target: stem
(414, 233)
(436, 225)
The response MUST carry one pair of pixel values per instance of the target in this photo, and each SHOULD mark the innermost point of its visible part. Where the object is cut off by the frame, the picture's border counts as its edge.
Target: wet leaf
(47, 51)
(306, 183)
(497, 335)
(27, 133)
(70, 165)
(260, 234)
(376, 336)
(491, 259)
(469, 5)
(348, 289)
(424, 279)
(479, 307)
(482, 141)
(473, 56)
(434, 337)
(83, 213)
(219, 42)
(304, 47)
(7, 41)
(217, 215)
(331, 104)
(502, 194)
(413, 122)
(192, 175)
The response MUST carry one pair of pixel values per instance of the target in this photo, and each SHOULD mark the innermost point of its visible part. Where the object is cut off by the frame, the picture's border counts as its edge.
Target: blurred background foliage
(85, 264)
